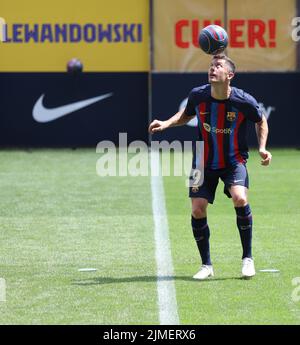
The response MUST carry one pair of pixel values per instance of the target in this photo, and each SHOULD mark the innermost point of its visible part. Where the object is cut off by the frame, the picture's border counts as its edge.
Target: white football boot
(205, 272)
(248, 269)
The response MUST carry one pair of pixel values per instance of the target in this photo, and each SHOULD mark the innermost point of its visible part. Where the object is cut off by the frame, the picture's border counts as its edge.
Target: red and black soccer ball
(213, 39)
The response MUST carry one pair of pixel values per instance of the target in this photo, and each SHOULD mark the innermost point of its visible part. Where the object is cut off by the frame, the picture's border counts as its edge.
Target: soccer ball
(74, 66)
(213, 39)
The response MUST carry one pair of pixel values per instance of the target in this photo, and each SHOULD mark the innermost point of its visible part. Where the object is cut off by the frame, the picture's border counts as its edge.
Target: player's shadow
(145, 279)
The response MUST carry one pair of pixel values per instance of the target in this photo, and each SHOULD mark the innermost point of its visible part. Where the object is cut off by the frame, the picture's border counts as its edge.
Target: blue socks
(201, 235)
(244, 223)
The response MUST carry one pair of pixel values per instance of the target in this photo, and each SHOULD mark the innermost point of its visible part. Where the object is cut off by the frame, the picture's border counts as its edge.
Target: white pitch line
(167, 303)
(2, 290)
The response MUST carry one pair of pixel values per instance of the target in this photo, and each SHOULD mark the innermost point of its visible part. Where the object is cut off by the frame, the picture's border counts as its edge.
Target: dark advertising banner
(278, 94)
(61, 109)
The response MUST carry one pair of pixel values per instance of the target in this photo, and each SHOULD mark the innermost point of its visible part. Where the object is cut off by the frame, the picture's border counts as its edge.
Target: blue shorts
(231, 176)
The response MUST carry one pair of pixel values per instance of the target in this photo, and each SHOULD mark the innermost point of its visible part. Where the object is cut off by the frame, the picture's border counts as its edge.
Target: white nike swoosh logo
(42, 114)
(235, 181)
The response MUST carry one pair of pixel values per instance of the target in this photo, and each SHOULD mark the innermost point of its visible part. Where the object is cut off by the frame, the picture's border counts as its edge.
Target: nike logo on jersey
(42, 114)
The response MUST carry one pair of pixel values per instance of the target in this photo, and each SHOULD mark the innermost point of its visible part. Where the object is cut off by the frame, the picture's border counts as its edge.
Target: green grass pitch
(58, 216)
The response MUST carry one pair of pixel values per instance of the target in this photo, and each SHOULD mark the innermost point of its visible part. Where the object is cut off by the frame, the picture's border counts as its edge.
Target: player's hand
(266, 157)
(157, 126)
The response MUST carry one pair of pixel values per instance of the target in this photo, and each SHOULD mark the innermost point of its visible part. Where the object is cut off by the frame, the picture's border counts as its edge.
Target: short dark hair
(229, 62)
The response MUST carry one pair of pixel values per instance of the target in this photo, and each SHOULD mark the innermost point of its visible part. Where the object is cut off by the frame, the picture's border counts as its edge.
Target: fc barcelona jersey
(223, 124)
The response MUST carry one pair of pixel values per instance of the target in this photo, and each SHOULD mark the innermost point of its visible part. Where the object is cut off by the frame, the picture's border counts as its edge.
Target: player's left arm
(262, 131)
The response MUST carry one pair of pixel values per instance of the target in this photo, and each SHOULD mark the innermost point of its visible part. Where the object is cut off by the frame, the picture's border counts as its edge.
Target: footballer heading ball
(213, 39)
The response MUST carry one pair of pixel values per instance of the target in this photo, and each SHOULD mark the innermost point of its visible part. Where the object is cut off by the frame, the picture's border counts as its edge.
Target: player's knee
(240, 200)
(199, 211)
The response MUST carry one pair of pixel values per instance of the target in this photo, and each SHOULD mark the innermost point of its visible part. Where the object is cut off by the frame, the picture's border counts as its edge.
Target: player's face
(218, 71)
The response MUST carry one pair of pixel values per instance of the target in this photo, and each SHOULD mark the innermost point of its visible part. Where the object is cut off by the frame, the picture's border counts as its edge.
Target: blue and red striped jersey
(223, 124)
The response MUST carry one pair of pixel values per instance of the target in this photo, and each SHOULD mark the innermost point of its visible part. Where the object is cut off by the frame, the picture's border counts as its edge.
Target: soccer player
(222, 111)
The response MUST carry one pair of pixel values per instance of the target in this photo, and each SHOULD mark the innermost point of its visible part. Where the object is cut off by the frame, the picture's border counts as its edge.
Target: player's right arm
(179, 119)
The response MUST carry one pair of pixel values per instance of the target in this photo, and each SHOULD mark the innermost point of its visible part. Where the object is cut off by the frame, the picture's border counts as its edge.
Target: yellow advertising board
(259, 34)
(105, 35)
(175, 35)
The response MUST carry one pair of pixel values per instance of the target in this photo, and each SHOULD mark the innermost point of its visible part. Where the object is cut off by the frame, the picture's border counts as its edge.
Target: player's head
(221, 69)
